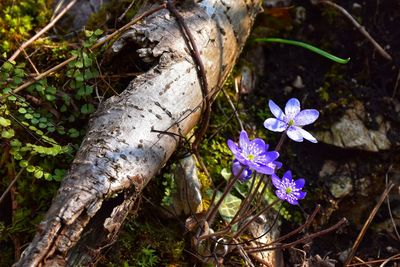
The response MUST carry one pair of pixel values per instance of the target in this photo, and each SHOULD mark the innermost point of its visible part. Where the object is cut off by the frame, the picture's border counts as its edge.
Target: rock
(187, 197)
(351, 132)
(338, 178)
(298, 82)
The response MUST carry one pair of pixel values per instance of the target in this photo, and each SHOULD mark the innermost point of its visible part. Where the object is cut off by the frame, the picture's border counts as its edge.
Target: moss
(141, 236)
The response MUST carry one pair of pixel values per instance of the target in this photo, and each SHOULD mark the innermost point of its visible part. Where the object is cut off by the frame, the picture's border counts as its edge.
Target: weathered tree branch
(121, 151)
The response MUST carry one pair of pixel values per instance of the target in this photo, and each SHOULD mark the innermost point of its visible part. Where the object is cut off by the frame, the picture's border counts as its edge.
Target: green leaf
(23, 163)
(38, 174)
(78, 76)
(22, 110)
(78, 64)
(51, 90)
(230, 205)
(39, 88)
(8, 133)
(87, 108)
(306, 46)
(47, 176)
(30, 168)
(7, 66)
(50, 97)
(98, 32)
(88, 33)
(73, 133)
(11, 98)
(226, 173)
(4, 122)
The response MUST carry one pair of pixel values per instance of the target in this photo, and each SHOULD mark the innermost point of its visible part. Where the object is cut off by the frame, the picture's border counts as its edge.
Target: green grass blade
(306, 46)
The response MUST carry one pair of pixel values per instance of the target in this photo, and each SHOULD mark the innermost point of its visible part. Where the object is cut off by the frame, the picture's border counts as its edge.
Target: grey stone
(351, 132)
(338, 178)
(187, 198)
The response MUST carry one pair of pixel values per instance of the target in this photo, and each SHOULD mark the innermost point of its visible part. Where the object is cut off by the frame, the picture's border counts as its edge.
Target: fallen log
(131, 136)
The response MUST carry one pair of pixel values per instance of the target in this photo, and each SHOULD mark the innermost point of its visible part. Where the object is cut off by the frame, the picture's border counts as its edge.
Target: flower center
(250, 157)
(291, 122)
(288, 190)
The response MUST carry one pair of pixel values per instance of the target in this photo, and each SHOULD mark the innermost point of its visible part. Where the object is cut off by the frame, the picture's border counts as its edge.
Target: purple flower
(254, 154)
(292, 120)
(288, 189)
(237, 167)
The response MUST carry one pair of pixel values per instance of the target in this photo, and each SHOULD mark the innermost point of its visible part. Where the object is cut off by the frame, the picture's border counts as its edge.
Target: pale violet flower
(254, 154)
(292, 120)
(288, 189)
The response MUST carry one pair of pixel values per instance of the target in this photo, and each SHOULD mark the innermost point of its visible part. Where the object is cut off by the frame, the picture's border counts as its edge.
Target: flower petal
(276, 110)
(306, 117)
(276, 181)
(300, 183)
(292, 108)
(301, 195)
(257, 147)
(275, 125)
(288, 175)
(294, 134)
(233, 147)
(281, 194)
(262, 168)
(243, 139)
(278, 164)
(292, 200)
(271, 156)
(307, 135)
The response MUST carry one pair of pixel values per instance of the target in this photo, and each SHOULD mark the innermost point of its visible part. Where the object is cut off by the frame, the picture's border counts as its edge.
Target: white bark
(120, 152)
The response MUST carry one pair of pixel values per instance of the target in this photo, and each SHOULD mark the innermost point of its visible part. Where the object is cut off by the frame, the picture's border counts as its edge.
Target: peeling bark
(121, 151)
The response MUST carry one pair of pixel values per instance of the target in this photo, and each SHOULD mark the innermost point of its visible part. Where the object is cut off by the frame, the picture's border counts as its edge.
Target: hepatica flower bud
(245, 175)
(292, 120)
(254, 154)
(288, 189)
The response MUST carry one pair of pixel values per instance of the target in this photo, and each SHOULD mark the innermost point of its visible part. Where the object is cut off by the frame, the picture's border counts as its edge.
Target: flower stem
(280, 143)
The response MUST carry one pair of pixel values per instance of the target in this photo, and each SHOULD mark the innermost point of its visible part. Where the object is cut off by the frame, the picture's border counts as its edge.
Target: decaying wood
(123, 149)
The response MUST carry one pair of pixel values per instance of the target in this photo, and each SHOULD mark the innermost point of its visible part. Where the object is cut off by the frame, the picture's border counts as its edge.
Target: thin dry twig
(394, 257)
(126, 11)
(42, 31)
(388, 205)
(299, 241)
(13, 182)
(366, 224)
(30, 62)
(233, 108)
(95, 46)
(360, 28)
(396, 85)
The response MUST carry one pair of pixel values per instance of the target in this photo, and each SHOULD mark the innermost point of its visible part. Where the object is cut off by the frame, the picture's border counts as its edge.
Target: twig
(233, 108)
(379, 48)
(201, 73)
(95, 46)
(394, 257)
(301, 240)
(42, 31)
(388, 205)
(126, 10)
(13, 181)
(30, 62)
(44, 74)
(396, 85)
(366, 224)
